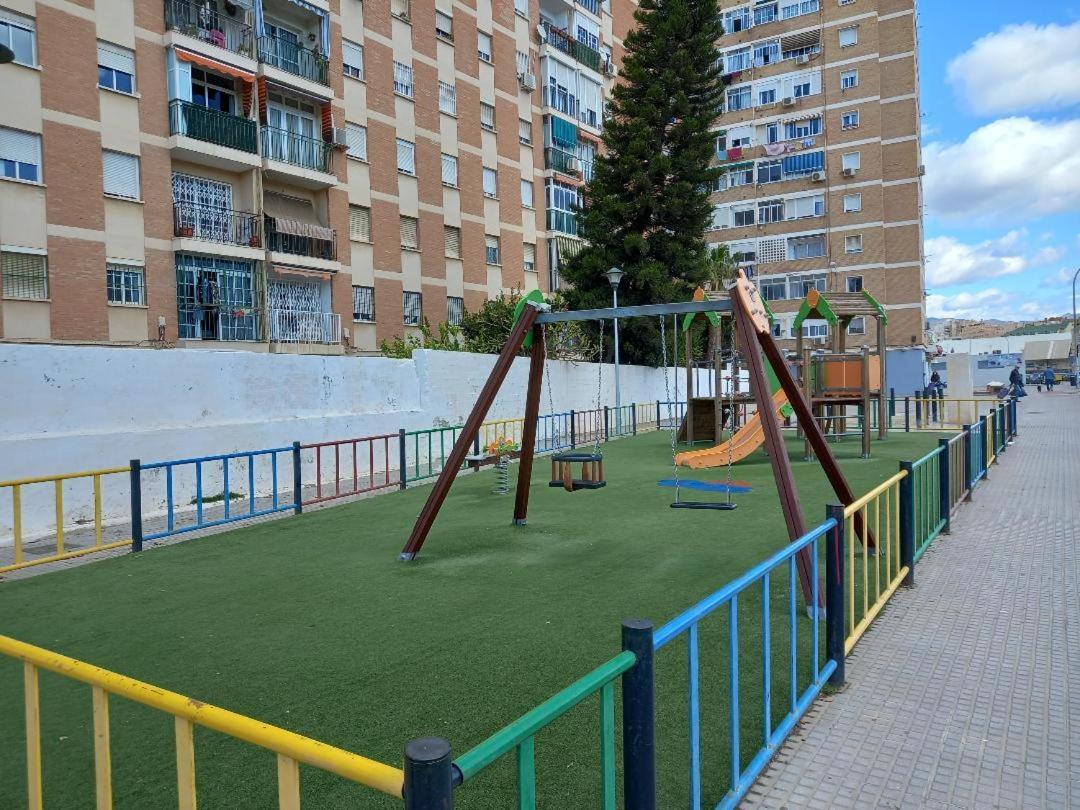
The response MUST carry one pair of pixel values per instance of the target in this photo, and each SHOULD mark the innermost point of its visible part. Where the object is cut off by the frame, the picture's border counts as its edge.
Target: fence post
(573, 430)
(985, 454)
(476, 445)
(658, 426)
(834, 594)
(638, 716)
(892, 405)
(429, 775)
(918, 410)
(605, 423)
(968, 484)
(401, 458)
(136, 505)
(633, 418)
(1014, 423)
(907, 522)
(297, 480)
(944, 484)
(907, 414)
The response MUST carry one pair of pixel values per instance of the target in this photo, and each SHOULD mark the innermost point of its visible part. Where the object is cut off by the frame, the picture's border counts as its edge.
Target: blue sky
(1001, 140)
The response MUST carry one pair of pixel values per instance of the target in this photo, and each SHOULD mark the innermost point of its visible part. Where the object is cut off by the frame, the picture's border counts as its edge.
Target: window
(849, 36)
(363, 304)
(25, 275)
(403, 80)
(853, 244)
(766, 53)
(857, 326)
(452, 241)
(741, 175)
(359, 223)
(736, 60)
(738, 19)
(20, 155)
(522, 7)
(766, 97)
(444, 25)
(523, 64)
(527, 193)
(412, 304)
(529, 257)
(406, 157)
(410, 233)
(743, 216)
(770, 171)
(801, 89)
(125, 284)
(764, 13)
(116, 68)
(798, 8)
(492, 253)
(447, 98)
(491, 182)
(773, 288)
(525, 131)
(772, 133)
(356, 138)
(801, 285)
(487, 116)
(849, 120)
(806, 247)
(483, 46)
(813, 330)
(849, 79)
(854, 284)
(852, 203)
(770, 211)
(802, 207)
(449, 170)
(20, 34)
(740, 137)
(802, 164)
(352, 59)
(721, 217)
(121, 174)
(776, 329)
(739, 98)
(455, 310)
(805, 128)
(852, 160)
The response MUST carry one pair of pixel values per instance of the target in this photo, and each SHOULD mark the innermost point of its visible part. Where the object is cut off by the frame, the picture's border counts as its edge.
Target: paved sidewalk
(966, 691)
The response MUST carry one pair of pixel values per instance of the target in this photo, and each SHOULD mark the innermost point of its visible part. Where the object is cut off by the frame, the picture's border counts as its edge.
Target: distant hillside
(1041, 328)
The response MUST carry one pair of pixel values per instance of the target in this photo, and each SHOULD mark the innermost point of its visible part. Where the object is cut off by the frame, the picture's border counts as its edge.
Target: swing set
(758, 346)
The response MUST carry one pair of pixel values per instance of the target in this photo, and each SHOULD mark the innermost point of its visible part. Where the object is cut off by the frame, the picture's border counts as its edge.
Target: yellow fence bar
(44, 479)
(288, 779)
(16, 508)
(59, 500)
(187, 712)
(102, 753)
(855, 506)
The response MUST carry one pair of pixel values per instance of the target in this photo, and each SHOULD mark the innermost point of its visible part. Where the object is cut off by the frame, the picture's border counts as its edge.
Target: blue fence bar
(553, 431)
(199, 468)
(772, 736)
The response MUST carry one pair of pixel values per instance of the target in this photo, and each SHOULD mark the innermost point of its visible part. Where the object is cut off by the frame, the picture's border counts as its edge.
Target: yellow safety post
(102, 755)
(32, 698)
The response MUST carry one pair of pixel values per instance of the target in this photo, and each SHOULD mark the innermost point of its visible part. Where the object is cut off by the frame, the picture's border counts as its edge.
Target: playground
(311, 624)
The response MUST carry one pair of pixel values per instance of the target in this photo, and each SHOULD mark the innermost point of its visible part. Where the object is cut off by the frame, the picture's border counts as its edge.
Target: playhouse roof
(701, 294)
(838, 307)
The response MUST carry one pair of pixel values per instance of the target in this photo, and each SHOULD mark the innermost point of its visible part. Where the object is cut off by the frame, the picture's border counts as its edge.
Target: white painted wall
(71, 408)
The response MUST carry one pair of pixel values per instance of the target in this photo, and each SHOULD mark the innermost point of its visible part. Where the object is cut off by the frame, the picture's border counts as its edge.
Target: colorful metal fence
(291, 749)
(976, 452)
(727, 598)
(359, 465)
(929, 515)
(427, 451)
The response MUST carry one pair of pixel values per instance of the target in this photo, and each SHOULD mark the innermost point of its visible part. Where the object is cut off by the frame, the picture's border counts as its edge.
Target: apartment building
(288, 175)
(819, 145)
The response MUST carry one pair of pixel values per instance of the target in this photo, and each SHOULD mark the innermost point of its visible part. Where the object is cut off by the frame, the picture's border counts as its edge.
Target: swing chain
(556, 436)
(599, 392)
(667, 396)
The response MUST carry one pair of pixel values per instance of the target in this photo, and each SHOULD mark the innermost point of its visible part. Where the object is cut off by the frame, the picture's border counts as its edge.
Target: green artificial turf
(311, 623)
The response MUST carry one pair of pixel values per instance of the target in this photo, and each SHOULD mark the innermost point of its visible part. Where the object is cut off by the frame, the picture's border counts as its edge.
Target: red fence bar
(378, 475)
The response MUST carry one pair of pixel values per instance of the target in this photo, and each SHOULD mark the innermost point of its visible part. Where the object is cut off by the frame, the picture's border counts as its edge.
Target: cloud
(950, 261)
(1063, 278)
(986, 304)
(1021, 68)
(1010, 169)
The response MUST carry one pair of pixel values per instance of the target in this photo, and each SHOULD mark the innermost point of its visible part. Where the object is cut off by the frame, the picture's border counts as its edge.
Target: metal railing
(299, 245)
(929, 515)
(206, 23)
(367, 458)
(430, 447)
(291, 749)
(727, 598)
(17, 488)
(294, 58)
(304, 326)
(976, 452)
(562, 41)
(220, 225)
(297, 150)
(561, 161)
(203, 124)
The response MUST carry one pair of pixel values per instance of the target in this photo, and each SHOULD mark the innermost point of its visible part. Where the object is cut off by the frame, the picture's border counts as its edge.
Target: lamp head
(614, 276)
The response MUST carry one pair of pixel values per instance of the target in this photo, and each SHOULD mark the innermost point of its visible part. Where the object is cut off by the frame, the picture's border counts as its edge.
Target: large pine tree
(647, 206)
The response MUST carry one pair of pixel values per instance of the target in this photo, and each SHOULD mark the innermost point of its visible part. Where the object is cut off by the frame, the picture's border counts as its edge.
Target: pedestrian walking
(1049, 379)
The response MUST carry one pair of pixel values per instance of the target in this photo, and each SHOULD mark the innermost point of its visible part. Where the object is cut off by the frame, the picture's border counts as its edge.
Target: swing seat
(592, 471)
(704, 505)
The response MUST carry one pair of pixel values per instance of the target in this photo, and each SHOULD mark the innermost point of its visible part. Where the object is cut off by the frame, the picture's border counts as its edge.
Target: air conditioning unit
(847, 173)
(339, 138)
(609, 68)
(528, 82)
(789, 101)
(802, 60)
(922, 171)
(817, 177)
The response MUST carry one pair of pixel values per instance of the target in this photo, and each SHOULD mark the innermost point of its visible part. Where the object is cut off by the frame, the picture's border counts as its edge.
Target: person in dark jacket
(1049, 379)
(1016, 382)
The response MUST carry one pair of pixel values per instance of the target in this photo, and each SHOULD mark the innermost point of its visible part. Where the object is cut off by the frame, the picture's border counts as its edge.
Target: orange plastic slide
(746, 440)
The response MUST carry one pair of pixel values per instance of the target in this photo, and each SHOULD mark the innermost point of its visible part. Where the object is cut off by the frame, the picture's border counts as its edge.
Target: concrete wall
(71, 408)
(905, 370)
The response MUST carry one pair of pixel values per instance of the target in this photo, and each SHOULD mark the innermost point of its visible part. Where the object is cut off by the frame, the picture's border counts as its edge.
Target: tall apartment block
(819, 144)
(288, 175)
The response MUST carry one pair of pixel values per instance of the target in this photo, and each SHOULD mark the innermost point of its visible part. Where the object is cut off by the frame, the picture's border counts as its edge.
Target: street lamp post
(614, 276)
(1075, 345)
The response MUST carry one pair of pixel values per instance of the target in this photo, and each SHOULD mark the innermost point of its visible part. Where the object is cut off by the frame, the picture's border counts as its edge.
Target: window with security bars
(449, 170)
(452, 241)
(483, 46)
(447, 98)
(410, 233)
(492, 253)
(444, 25)
(455, 310)
(491, 182)
(352, 59)
(412, 305)
(125, 284)
(25, 275)
(487, 116)
(359, 223)
(527, 193)
(356, 141)
(529, 257)
(363, 304)
(403, 80)
(525, 131)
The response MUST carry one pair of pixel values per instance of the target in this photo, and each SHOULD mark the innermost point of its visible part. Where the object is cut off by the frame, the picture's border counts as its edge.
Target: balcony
(303, 326)
(210, 26)
(296, 150)
(562, 41)
(561, 221)
(301, 239)
(294, 58)
(200, 123)
(592, 6)
(563, 162)
(220, 225)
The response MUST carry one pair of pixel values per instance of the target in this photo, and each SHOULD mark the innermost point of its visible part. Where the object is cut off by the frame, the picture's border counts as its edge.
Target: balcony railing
(299, 150)
(301, 239)
(294, 58)
(204, 124)
(209, 25)
(561, 221)
(561, 40)
(302, 326)
(563, 162)
(220, 225)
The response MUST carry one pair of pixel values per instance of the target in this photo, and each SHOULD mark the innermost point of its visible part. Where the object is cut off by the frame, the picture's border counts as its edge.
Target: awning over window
(296, 272)
(214, 65)
(806, 162)
(568, 247)
(563, 133)
(295, 216)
